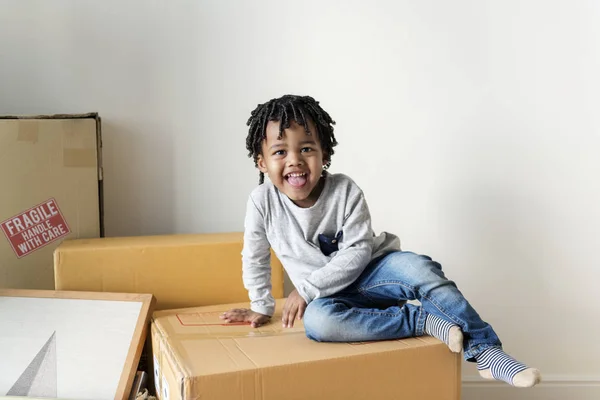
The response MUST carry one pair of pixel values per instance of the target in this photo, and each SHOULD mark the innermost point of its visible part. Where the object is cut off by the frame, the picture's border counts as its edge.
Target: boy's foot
(494, 363)
(445, 331)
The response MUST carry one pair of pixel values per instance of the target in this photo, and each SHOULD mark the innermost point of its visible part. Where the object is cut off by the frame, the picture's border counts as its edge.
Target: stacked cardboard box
(51, 185)
(196, 355)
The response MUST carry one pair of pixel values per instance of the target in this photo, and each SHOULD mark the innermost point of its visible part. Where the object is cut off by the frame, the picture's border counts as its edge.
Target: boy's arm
(256, 262)
(354, 253)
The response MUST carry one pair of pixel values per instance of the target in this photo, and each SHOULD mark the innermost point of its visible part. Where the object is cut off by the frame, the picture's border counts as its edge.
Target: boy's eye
(306, 149)
(279, 153)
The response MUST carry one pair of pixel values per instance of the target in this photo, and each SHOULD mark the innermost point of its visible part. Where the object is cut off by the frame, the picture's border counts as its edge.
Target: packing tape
(28, 131)
(72, 129)
(78, 158)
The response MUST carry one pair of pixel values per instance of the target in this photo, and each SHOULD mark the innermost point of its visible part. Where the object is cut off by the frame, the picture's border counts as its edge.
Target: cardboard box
(179, 270)
(196, 356)
(51, 185)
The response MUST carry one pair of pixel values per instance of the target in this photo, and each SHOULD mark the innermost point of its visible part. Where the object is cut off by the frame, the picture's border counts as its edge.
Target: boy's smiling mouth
(297, 179)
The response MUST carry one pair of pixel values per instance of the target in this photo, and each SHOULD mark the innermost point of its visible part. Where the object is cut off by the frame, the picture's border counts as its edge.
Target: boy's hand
(245, 315)
(294, 307)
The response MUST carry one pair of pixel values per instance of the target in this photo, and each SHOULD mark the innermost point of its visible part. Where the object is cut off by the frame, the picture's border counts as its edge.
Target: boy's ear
(262, 165)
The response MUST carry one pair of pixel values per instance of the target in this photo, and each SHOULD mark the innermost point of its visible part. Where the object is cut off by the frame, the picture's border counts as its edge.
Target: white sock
(445, 331)
(494, 363)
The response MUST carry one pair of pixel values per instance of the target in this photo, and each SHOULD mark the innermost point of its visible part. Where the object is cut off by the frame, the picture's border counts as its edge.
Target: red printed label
(35, 228)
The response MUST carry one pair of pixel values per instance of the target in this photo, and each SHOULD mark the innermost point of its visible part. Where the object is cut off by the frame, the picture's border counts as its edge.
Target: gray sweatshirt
(323, 248)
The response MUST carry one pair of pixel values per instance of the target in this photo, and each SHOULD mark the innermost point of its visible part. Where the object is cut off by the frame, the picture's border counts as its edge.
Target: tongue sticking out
(297, 181)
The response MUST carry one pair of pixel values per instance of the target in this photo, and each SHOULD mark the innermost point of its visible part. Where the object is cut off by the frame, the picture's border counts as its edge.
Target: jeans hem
(420, 329)
(472, 353)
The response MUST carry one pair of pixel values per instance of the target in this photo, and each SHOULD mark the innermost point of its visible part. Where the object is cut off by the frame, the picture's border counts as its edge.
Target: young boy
(351, 285)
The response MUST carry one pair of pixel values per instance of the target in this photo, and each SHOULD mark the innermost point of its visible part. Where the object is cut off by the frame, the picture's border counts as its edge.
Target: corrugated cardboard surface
(179, 270)
(196, 356)
(43, 158)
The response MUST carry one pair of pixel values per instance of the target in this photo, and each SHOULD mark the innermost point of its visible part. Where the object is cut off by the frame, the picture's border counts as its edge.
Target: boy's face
(293, 163)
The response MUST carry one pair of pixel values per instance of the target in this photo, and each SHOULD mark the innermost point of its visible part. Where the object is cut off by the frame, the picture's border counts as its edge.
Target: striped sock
(445, 331)
(494, 363)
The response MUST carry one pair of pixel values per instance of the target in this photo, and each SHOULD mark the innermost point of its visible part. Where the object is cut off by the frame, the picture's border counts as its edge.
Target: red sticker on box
(35, 228)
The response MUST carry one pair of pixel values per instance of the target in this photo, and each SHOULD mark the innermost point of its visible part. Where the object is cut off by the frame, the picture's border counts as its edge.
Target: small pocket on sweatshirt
(329, 244)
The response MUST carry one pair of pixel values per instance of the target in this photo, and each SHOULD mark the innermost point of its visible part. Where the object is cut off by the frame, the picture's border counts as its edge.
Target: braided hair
(285, 109)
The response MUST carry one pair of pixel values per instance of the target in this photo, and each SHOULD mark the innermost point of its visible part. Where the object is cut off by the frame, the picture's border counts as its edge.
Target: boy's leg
(351, 317)
(405, 275)
(408, 276)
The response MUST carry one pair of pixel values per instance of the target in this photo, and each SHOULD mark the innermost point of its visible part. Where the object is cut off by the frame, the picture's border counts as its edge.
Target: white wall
(472, 126)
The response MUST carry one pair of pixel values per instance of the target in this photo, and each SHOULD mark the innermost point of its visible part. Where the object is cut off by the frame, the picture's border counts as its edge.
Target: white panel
(92, 342)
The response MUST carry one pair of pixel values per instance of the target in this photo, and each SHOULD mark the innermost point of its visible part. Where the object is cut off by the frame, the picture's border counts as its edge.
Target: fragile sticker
(35, 228)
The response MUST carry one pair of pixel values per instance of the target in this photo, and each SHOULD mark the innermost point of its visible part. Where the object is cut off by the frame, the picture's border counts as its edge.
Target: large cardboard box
(51, 190)
(183, 270)
(196, 356)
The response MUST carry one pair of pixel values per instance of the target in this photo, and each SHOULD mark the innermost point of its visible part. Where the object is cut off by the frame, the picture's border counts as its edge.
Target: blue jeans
(372, 308)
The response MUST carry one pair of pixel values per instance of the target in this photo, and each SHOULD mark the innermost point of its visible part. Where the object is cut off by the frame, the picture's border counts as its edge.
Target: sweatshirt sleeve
(256, 261)
(352, 257)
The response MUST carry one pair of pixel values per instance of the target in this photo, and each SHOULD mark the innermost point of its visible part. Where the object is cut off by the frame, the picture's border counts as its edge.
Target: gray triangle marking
(39, 378)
